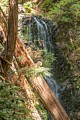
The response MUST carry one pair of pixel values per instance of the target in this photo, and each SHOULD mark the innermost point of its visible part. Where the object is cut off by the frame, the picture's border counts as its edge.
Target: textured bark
(12, 34)
(3, 21)
(39, 84)
(12, 28)
(20, 51)
(3, 27)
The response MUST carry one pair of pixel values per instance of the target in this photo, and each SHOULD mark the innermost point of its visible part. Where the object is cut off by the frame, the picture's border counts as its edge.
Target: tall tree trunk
(12, 34)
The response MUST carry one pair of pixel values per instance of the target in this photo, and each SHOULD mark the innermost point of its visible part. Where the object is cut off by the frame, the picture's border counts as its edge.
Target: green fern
(36, 71)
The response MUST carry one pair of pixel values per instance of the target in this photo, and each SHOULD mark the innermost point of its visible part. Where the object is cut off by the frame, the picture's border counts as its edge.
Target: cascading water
(38, 31)
(53, 85)
(41, 31)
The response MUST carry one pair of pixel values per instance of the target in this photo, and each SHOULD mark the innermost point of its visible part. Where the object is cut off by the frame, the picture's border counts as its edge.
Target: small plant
(4, 5)
(41, 109)
(48, 58)
(1, 48)
(20, 58)
(28, 6)
(47, 4)
(36, 70)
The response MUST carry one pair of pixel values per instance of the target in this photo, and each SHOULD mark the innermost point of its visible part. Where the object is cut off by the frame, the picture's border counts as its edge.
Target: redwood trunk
(12, 34)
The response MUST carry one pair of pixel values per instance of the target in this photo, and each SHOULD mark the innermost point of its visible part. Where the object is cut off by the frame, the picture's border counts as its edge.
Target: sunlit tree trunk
(12, 34)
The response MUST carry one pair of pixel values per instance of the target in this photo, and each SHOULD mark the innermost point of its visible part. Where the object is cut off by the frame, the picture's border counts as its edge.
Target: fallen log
(40, 85)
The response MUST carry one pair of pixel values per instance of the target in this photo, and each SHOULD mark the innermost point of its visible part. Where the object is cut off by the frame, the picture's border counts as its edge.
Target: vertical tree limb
(12, 33)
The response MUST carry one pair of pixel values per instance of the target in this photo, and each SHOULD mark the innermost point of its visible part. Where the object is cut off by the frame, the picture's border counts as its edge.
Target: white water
(53, 85)
(41, 31)
(42, 35)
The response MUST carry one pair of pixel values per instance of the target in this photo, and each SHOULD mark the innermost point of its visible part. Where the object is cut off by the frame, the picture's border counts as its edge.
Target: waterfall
(43, 34)
(53, 85)
(39, 31)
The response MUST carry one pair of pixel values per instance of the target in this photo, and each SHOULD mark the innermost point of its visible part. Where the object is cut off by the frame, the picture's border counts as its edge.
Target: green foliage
(77, 81)
(64, 10)
(47, 4)
(48, 58)
(28, 6)
(13, 105)
(36, 71)
(78, 41)
(20, 58)
(67, 14)
(25, 33)
(39, 106)
(4, 5)
(1, 48)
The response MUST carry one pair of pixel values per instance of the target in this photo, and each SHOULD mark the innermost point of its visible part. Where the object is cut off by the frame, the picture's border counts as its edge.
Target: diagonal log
(40, 85)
